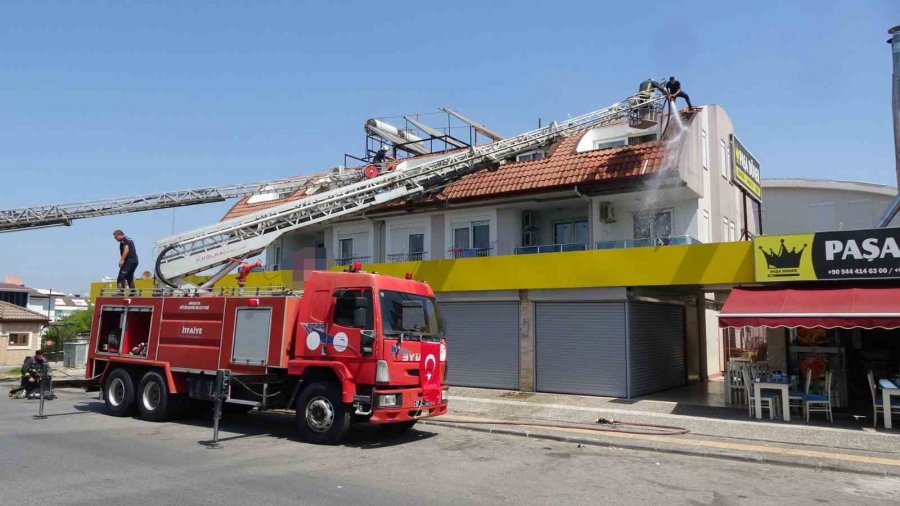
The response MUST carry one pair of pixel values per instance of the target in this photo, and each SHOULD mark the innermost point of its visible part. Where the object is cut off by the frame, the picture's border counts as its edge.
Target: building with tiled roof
(612, 186)
(20, 332)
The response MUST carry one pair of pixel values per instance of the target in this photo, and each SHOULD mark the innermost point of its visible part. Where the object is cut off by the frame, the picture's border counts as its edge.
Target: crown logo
(784, 259)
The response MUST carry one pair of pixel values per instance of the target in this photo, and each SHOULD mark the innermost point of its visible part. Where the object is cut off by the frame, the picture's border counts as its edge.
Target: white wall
(799, 209)
(362, 233)
(398, 230)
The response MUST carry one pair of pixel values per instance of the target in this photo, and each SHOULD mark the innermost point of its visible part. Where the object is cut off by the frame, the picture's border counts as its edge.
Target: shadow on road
(279, 425)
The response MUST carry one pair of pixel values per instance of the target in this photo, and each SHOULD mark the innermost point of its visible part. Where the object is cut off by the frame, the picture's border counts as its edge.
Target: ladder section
(228, 241)
(63, 214)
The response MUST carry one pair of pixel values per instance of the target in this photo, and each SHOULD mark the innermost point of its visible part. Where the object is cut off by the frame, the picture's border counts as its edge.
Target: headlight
(389, 401)
(382, 373)
(445, 394)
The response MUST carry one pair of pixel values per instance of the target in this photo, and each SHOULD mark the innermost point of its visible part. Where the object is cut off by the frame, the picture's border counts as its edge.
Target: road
(78, 455)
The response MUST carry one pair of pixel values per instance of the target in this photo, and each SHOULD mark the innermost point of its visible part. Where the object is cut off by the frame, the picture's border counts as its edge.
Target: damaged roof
(561, 168)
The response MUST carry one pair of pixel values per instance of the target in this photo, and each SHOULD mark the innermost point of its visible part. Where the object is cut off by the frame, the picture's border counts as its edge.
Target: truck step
(242, 402)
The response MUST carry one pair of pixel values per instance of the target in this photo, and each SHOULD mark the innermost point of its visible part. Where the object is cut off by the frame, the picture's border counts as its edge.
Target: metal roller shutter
(580, 348)
(483, 343)
(656, 344)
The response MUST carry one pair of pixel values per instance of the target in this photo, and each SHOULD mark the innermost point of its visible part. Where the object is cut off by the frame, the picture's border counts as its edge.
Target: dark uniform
(126, 271)
(674, 86)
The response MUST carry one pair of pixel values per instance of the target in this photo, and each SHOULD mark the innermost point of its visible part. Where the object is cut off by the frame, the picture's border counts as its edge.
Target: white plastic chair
(877, 401)
(795, 399)
(820, 403)
(736, 388)
(768, 399)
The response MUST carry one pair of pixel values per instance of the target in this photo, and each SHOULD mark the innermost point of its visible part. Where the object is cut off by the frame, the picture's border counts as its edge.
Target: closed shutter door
(657, 347)
(580, 348)
(483, 343)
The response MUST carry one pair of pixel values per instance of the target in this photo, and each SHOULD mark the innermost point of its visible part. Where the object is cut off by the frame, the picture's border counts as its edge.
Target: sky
(105, 99)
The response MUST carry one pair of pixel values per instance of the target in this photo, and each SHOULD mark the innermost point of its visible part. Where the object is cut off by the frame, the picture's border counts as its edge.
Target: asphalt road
(80, 456)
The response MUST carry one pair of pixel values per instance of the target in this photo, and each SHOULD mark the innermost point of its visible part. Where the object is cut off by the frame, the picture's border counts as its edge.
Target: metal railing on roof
(652, 241)
(551, 248)
(344, 261)
(470, 252)
(230, 291)
(416, 256)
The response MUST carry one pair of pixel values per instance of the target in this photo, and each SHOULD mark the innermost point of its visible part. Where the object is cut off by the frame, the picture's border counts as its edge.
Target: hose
(262, 396)
(159, 259)
(604, 426)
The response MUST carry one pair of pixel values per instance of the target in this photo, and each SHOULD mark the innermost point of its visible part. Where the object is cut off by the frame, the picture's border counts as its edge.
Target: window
(653, 225)
(531, 155)
(724, 229)
(731, 231)
(416, 243)
(606, 144)
(704, 148)
(20, 339)
(571, 232)
(349, 302)
(346, 248)
(461, 238)
(640, 139)
(725, 158)
(481, 234)
(406, 312)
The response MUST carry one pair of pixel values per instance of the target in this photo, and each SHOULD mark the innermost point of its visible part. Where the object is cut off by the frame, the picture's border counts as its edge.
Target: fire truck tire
(396, 428)
(322, 417)
(118, 393)
(154, 402)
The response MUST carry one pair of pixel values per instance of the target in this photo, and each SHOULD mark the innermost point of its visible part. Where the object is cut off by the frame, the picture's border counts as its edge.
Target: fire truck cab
(355, 346)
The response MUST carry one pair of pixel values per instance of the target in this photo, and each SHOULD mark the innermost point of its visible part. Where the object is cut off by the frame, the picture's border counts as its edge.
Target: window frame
(573, 239)
(652, 214)
(341, 252)
(530, 156)
(599, 144)
(726, 158)
(10, 346)
(370, 317)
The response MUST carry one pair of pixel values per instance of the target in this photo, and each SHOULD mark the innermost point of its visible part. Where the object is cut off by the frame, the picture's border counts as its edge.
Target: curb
(739, 457)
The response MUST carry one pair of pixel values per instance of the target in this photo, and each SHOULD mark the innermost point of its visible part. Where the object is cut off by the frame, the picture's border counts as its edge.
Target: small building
(794, 206)
(20, 333)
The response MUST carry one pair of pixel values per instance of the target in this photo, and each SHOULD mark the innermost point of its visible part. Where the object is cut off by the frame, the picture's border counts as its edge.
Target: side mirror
(366, 342)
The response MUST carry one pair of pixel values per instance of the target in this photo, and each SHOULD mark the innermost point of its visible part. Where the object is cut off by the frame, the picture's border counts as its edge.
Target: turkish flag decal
(429, 372)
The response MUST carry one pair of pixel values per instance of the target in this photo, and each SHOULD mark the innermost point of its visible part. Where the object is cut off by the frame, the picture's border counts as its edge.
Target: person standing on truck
(128, 260)
(673, 87)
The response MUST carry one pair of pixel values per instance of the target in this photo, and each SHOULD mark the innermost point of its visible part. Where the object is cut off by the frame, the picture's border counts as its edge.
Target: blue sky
(102, 99)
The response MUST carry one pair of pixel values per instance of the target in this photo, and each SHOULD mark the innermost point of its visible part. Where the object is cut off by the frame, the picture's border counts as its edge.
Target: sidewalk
(716, 432)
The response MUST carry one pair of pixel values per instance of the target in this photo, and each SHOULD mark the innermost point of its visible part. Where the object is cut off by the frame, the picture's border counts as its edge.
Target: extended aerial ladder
(229, 242)
(63, 214)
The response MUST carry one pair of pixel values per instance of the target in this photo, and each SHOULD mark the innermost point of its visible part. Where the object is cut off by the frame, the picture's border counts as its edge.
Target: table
(888, 390)
(771, 384)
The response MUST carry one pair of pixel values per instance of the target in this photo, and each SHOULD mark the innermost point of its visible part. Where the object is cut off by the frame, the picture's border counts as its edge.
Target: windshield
(406, 313)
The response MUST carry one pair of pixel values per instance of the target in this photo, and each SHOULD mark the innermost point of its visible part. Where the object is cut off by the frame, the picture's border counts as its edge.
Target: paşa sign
(745, 169)
(854, 254)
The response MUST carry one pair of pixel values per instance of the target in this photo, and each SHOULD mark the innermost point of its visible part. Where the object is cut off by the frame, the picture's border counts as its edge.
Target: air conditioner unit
(607, 212)
(527, 219)
(528, 238)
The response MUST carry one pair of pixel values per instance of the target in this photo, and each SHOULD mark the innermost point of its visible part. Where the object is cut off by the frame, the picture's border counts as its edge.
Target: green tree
(66, 329)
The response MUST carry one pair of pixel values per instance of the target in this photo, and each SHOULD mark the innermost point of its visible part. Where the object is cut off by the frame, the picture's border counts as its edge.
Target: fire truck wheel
(322, 417)
(118, 392)
(398, 427)
(154, 402)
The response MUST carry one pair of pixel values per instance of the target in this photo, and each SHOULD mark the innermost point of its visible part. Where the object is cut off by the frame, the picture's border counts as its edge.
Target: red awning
(812, 307)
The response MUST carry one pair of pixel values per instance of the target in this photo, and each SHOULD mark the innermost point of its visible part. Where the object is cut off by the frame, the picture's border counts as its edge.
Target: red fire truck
(355, 346)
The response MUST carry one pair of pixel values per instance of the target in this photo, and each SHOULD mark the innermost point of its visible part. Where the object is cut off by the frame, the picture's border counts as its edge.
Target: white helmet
(383, 148)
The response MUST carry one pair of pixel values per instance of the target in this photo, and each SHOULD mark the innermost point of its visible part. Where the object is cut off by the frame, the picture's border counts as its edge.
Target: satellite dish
(13, 280)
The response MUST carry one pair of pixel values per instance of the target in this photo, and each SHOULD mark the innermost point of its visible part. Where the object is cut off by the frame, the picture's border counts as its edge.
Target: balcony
(351, 260)
(551, 248)
(679, 240)
(406, 257)
(470, 252)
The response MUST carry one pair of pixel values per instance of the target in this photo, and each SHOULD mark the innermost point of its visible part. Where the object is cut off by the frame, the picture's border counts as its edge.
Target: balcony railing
(417, 256)
(653, 241)
(470, 252)
(351, 260)
(551, 248)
